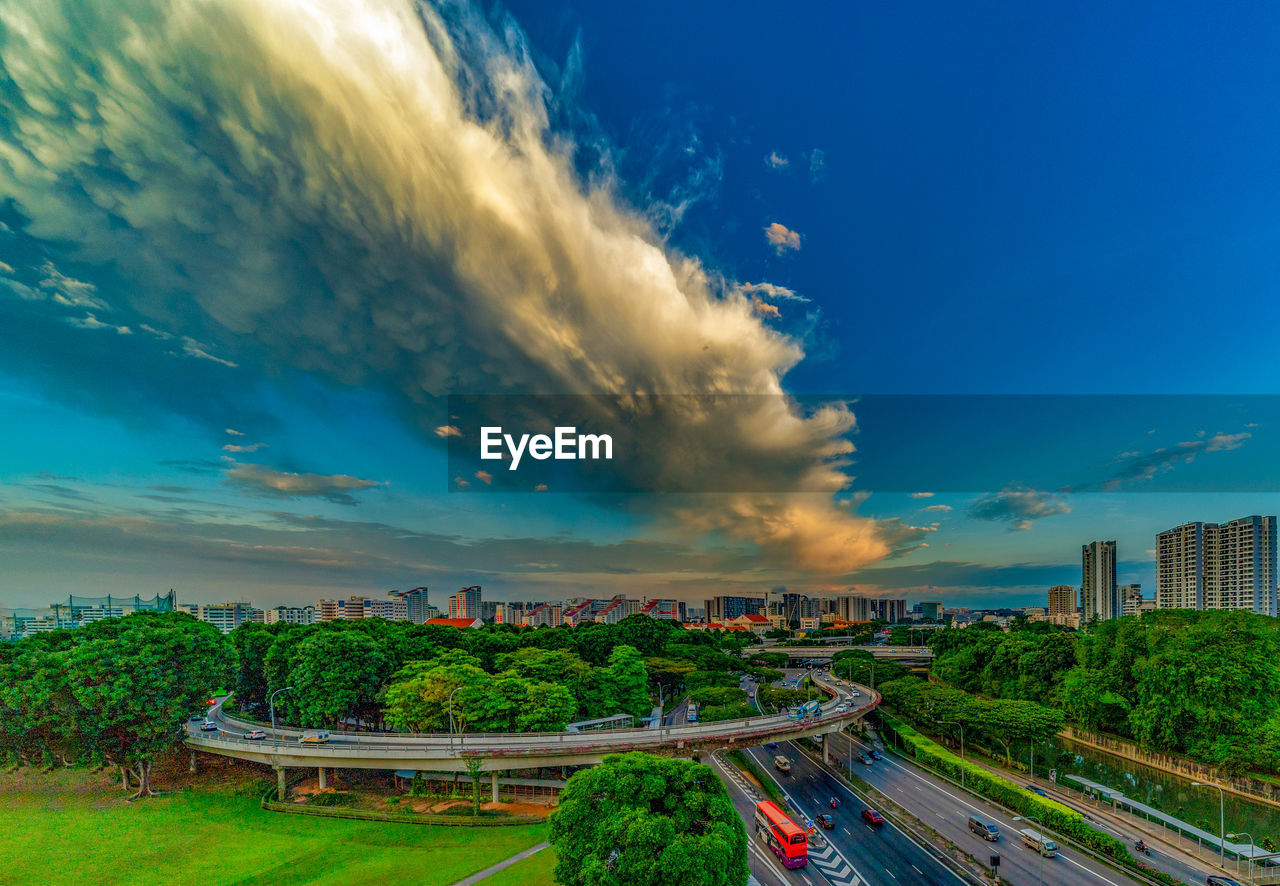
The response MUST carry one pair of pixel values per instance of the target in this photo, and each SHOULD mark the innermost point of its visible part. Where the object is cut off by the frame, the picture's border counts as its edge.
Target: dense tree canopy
(115, 692)
(641, 820)
(1206, 684)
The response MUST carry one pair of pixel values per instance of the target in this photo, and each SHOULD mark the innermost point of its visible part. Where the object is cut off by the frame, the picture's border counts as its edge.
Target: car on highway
(984, 829)
(208, 726)
(827, 821)
(857, 694)
(864, 759)
(255, 735)
(314, 736)
(876, 755)
(773, 745)
(871, 817)
(841, 708)
(781, 763)
(1038, 842)
(1040, 792)
(196, 718)
(1215, 880)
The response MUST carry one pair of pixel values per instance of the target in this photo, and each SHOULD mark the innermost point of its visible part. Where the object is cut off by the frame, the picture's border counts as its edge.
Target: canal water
(1172, 794)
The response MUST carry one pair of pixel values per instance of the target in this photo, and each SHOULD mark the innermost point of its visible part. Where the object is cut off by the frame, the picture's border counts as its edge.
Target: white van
(314, 736)
(1039, 842)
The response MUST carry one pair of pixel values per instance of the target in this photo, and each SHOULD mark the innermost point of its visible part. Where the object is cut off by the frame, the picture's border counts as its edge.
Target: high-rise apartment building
(354, 608)
(1218, 566)
(1099, 596)
(722, 609)
(931, 609)
(891, 611)
(294, 615)
(465, 603)
(416, 604)
(853, 607)
(1130, 599)
(1062, 600)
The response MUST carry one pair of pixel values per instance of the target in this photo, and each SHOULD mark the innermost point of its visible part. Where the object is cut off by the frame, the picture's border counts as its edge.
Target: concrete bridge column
(193, 761)
(280, 783)
(495, 785)
(323, 781)
(826, 748)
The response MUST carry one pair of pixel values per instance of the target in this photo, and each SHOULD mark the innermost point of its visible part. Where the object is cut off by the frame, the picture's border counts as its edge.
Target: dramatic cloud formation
(370, 190)
(1018, 506)
(781, 238)
(776, 161)
(336, 488)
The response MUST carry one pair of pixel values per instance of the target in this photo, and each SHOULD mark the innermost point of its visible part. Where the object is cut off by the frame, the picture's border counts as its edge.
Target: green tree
(130, 694)
(628, 681)
(640, 820)
(336, 675)
(548, 707)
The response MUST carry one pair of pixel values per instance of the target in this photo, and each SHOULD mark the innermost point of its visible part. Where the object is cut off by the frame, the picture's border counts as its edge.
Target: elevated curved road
(505, 751)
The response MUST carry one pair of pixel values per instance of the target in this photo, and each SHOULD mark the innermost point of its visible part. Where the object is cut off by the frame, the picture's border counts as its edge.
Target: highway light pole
(1040, 872)
(455, 689)
(1222, 821)
(1252, 849)
(272, 702)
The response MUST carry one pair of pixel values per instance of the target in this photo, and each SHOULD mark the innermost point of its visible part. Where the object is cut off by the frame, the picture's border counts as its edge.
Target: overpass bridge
(892, 653)
(501, 752)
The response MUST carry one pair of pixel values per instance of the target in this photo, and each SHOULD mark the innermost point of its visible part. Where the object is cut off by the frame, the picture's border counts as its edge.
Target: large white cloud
(370, 189)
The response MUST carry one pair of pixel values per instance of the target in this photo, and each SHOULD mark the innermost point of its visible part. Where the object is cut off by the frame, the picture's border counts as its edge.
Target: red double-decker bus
(784, 836)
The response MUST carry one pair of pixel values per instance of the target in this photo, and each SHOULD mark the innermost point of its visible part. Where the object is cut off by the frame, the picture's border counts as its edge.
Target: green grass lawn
(73, 828)
(534, 871)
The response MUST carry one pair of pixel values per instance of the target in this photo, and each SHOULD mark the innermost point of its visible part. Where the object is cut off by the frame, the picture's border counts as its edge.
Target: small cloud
(1252, 424)
(776, 161)
(1134, 466)
(781, 238)
(922, 495)
(771, 290)
(541, 487)
(232, 431)
(91, 322)
(942, 508)
(763, 309)
(448, 431)
(337, 488)
(158, 333)
(461, 482)
(5, 268)
(68, 291)
(193, 348)
(1018, 507)
(817, 165)
(250, 447)
(485, 477)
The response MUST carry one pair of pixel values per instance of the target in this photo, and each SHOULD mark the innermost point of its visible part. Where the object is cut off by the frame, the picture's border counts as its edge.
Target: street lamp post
(961, 725)
(1040, 872)
(1222, 821)
(1252, 850)
(272, 702)
(455, 689)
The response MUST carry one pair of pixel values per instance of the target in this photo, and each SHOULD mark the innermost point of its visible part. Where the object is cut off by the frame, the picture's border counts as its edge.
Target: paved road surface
(946, 809)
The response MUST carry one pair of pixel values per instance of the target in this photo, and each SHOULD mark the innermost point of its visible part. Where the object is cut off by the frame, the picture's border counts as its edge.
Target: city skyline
(225, 363)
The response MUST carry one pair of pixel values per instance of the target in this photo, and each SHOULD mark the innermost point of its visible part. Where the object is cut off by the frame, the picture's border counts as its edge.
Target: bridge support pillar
(192, 768)
(826, 748)
(324, 783)
(495, 785)
(280, 783)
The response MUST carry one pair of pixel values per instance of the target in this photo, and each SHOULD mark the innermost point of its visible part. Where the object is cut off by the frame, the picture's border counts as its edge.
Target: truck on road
(781, 763)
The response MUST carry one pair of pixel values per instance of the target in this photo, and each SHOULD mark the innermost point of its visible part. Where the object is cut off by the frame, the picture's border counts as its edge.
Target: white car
(841, 708)
(255, 735)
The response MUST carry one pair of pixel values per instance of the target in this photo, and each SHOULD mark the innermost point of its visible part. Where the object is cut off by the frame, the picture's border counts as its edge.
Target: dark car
(196, 718)
(864, 759)
(773, 746)
(875, 755)
(870, 816)
(827, 821)
(1040, 792)
(1215, 880)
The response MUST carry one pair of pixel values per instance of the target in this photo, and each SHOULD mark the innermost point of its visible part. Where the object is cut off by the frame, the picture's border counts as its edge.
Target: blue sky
(249, 252)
